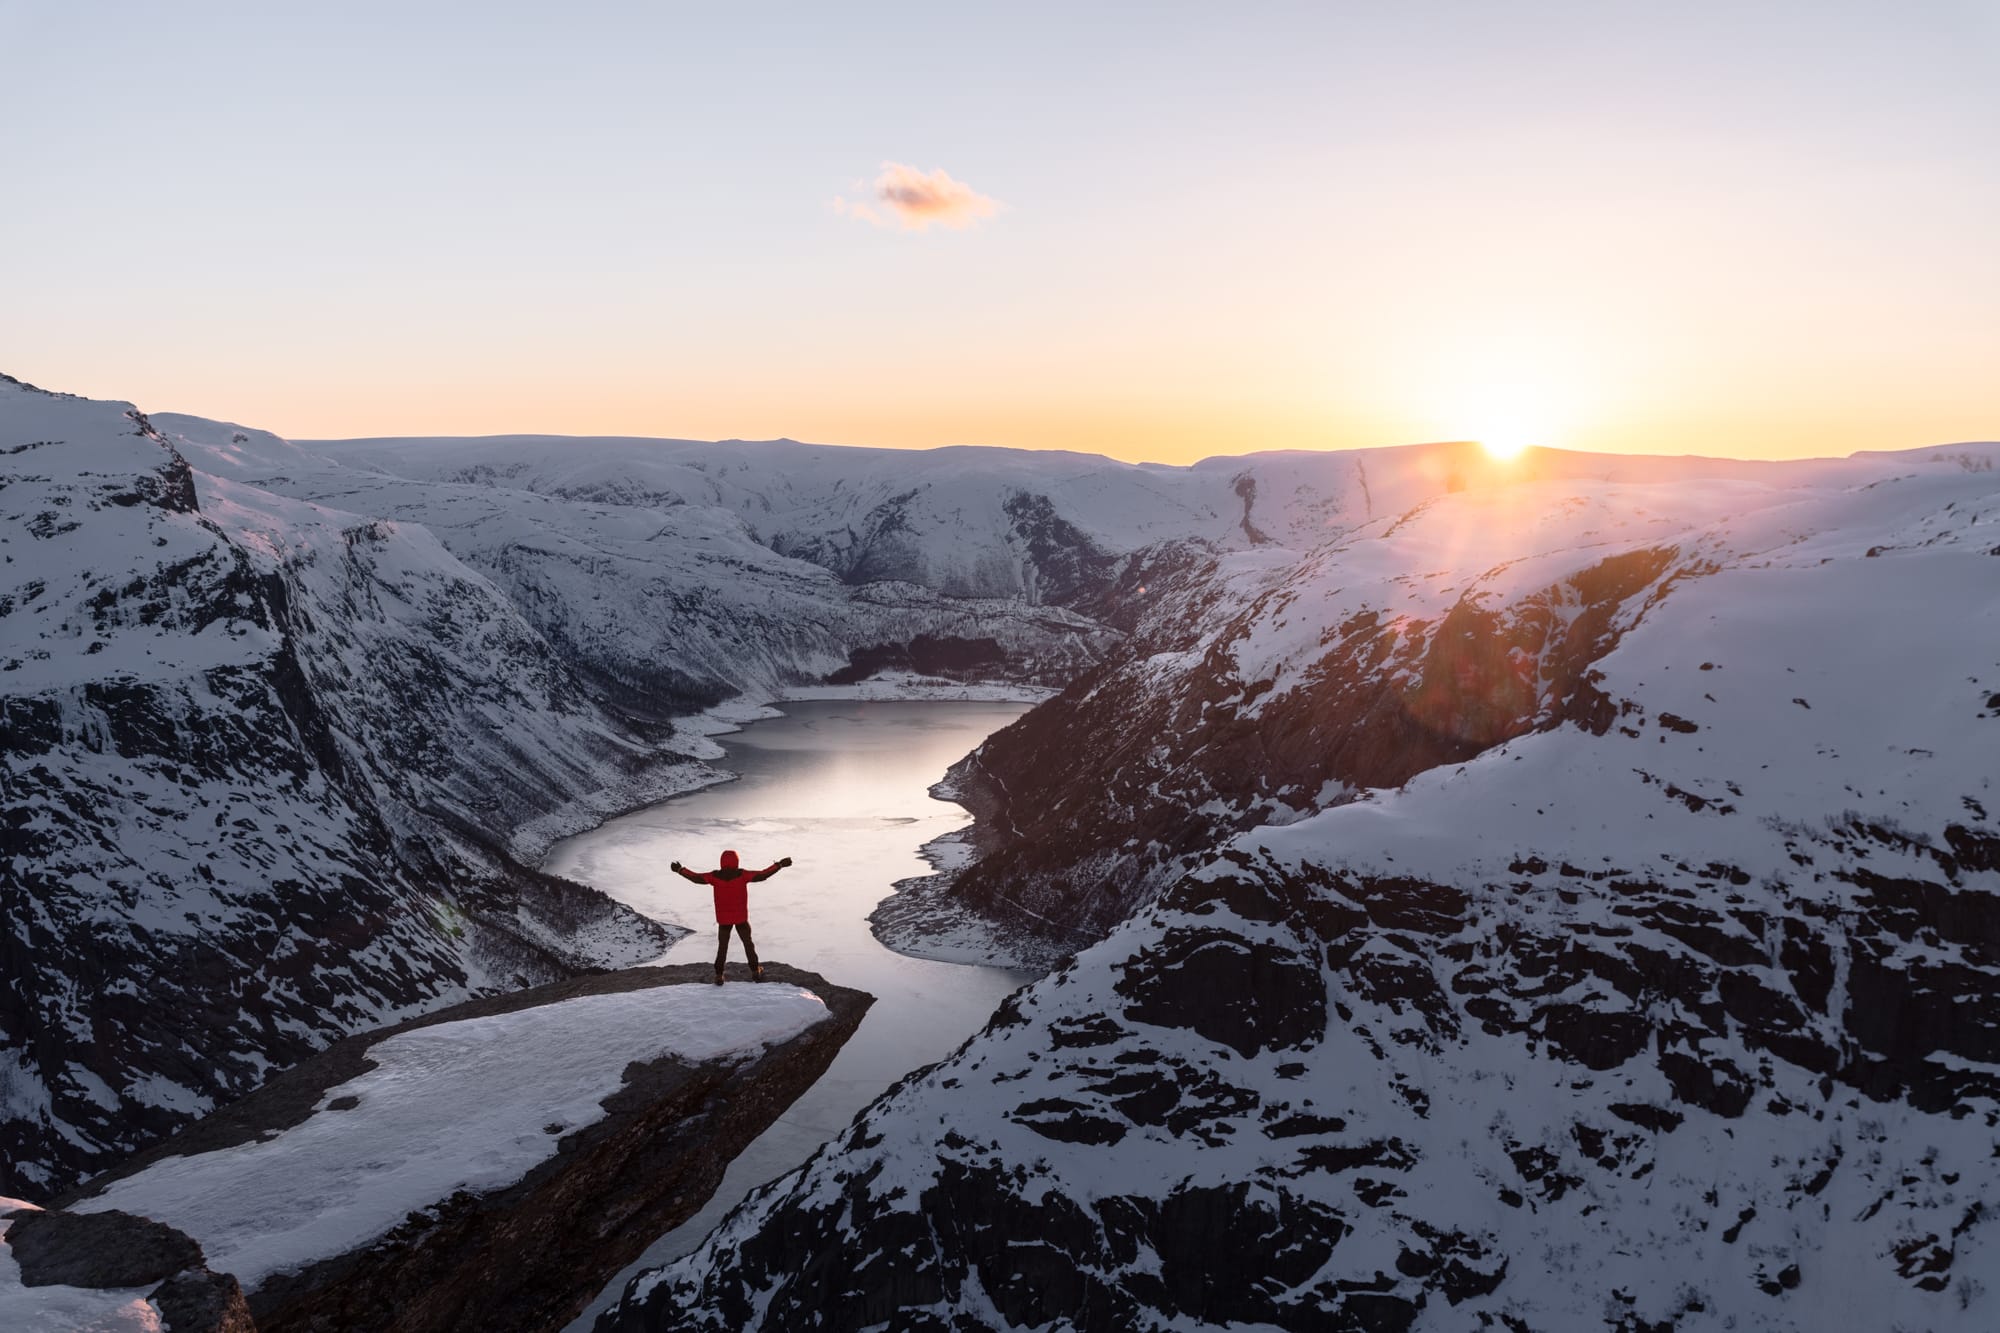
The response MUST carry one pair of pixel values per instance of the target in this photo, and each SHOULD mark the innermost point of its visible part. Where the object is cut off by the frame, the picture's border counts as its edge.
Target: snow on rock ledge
(495, 1162)
(472, 1105)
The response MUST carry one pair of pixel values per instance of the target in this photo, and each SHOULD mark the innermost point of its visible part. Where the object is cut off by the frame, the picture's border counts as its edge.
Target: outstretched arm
(685, 873)
(771, 869)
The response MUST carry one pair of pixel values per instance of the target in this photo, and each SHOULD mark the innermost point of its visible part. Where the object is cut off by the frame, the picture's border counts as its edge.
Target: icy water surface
(842, 789)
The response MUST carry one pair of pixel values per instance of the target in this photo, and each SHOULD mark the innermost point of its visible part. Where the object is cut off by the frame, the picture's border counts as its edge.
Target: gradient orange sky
(1153, 231)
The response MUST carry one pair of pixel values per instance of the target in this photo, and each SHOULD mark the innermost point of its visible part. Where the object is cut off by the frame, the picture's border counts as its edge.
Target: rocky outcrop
(531, 1255)
(117, 1251)
(199, 1301)
(1305, 1100)
(111, 1249)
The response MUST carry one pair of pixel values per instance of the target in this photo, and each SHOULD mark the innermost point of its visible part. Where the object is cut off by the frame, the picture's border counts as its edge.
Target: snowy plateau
(1558, 894)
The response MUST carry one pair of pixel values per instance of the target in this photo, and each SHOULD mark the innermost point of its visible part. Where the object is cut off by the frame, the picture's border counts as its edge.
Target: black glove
(673, 865)
(784, 860)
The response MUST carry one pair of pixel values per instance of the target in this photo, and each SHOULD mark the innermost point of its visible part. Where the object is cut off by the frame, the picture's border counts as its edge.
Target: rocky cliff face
(1665, 1003)
(1260, 686)
(257, 757)
(1184, 748)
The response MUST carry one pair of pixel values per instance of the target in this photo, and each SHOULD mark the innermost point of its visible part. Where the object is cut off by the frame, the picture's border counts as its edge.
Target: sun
(1507, 418)
(1511, 387)
(1505, 423)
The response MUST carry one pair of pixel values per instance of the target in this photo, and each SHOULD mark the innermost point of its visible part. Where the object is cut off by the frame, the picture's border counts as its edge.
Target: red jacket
(732, 888)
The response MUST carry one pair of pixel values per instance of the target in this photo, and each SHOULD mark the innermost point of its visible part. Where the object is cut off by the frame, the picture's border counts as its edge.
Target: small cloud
(914, 199)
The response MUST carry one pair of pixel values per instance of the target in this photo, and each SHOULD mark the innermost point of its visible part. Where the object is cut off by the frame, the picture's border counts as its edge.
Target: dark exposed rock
(1231, 1254)
(1461, 1266)
(1228, 1252)
(108, 1249)
(927, 654)
(1068, 568)
(1248, 996)
(1714, 1085)
(1656, 1118)
(1091, 1030)
(1595, 1038)
(199, 1301)
(1067, 1121)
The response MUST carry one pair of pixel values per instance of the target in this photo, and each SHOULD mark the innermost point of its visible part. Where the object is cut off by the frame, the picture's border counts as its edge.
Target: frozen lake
(842, 789)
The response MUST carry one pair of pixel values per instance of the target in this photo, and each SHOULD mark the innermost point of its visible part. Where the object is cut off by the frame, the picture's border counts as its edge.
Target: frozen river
(842, 789)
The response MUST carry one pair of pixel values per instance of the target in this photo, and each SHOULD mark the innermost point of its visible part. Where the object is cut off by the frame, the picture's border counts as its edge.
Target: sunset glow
(1158, 236)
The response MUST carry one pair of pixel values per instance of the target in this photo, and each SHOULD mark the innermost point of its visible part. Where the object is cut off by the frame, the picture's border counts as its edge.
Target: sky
(1155, 231)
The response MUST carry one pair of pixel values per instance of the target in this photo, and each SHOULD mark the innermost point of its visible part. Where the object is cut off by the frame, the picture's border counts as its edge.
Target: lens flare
(1504, 446)
(1510, 387)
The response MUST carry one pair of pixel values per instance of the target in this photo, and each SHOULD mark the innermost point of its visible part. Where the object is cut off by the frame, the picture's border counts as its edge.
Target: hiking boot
(757, 972)
(718, 976)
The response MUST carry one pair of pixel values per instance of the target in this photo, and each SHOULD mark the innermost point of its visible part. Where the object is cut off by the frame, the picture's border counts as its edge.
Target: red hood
(729, 860)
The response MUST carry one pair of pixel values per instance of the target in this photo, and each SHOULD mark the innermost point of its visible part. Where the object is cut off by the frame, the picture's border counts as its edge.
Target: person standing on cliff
(732, 905)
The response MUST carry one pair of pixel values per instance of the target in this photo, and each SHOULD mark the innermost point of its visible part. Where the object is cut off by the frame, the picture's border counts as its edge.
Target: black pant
(722, 945)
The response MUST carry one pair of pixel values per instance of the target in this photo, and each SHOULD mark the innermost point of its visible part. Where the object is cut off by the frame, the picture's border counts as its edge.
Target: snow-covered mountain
(1571, 904)
(258, 759)
(1261, 685)
(693, 571)
(657, 587)
(1553, 894)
